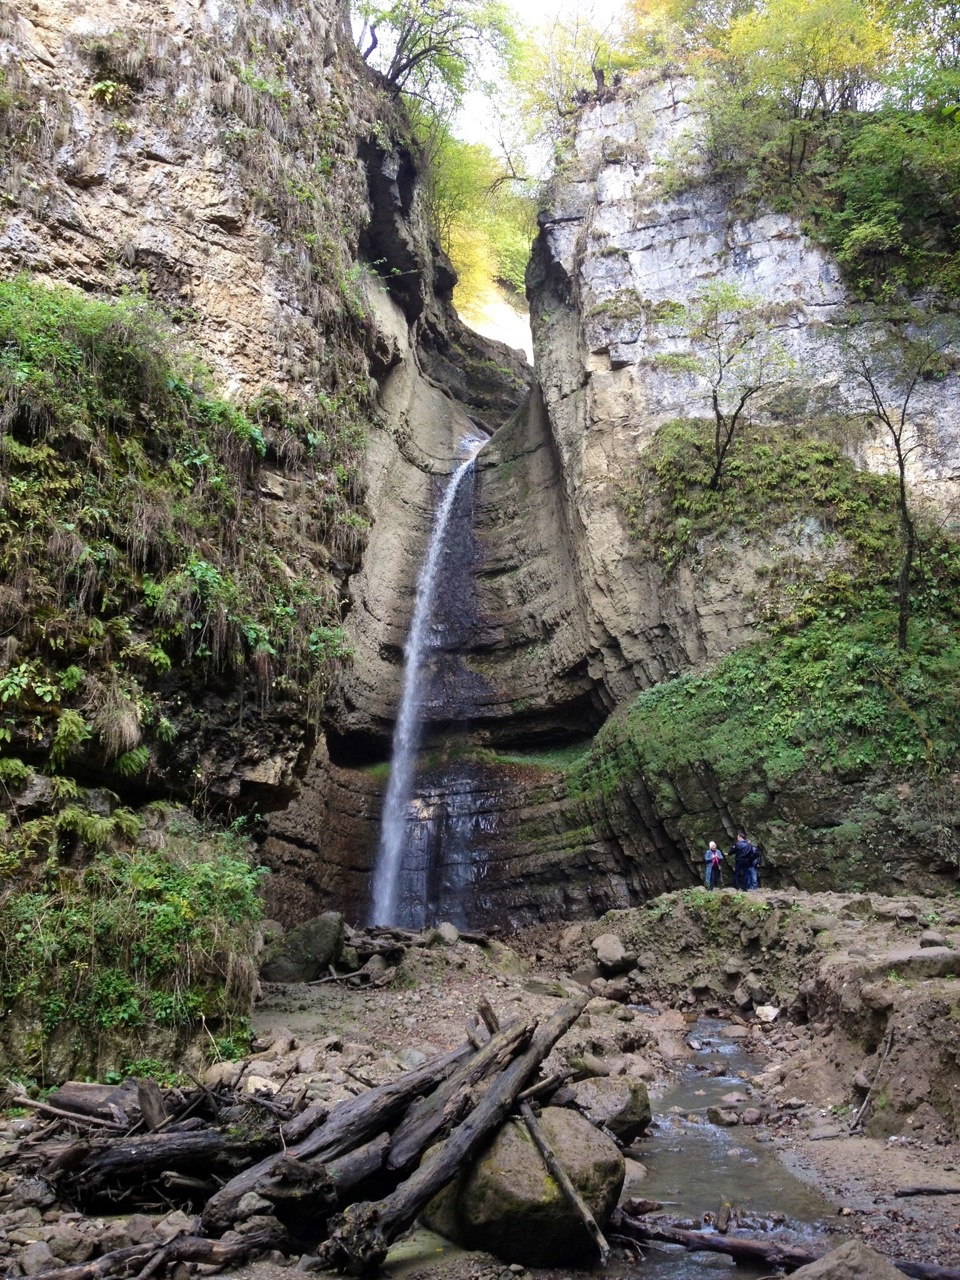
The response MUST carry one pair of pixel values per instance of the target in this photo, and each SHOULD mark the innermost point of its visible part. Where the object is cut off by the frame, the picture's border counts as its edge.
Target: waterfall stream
(389, 873)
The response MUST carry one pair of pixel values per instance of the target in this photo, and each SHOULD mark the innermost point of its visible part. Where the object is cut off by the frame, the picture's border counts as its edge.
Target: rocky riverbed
(767, 1021)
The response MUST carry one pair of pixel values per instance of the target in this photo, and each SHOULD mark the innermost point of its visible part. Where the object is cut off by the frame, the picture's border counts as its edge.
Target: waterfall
(388, 873)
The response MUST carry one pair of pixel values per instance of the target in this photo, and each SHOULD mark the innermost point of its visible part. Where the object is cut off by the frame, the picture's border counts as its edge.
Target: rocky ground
(825, 995)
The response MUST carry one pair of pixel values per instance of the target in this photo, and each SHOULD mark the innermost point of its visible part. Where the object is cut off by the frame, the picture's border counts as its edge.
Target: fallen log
(359, 1237)
(152, 1108)
(562, 1178)
(75, 1117)
(305, 1193)
(771, 1253)
(440, 1111)
(128, 1164)
(180, 1249)
(348, 1126)
(926, 1191)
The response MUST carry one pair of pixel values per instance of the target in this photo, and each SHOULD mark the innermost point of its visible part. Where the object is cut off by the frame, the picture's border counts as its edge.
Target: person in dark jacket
(743, 854)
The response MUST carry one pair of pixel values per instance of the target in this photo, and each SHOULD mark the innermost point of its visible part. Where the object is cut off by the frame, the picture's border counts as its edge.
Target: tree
(733, 348)
(891, 368)
(556, 65)
(484, 219)
(815, 57)
(432, 50)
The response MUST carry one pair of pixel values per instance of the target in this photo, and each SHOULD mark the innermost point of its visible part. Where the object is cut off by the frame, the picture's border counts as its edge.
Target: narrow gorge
(214, 532)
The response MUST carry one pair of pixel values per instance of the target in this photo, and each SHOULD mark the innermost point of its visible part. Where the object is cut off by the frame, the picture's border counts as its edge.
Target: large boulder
(619, 1103)
(305, 952)
(508, 1204)
(852, 1261)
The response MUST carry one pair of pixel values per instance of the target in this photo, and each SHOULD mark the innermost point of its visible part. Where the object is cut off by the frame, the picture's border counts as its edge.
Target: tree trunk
(441, 1110)
(348, 1125)
(360, 1237)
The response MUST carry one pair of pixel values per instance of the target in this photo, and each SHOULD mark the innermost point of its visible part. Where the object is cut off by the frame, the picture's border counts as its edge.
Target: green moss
(140, 938)
(133, 535)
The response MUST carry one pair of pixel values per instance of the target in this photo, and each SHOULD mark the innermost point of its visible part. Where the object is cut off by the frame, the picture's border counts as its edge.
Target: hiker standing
(742, 854)
(755, 867)
(712, 871)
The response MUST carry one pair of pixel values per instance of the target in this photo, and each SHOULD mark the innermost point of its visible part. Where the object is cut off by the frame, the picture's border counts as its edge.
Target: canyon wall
(573, 619)
(241, 167)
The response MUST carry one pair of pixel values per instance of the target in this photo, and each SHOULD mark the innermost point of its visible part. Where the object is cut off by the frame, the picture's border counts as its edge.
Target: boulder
(619, 1103)
(852, 1261)
(36, 1258)
(611, 954)
(508, 1204)
(932, 938)
(304, 953)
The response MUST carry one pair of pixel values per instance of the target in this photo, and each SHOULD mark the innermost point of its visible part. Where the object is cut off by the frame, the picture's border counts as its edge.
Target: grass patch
(134, 538)
(141, 938)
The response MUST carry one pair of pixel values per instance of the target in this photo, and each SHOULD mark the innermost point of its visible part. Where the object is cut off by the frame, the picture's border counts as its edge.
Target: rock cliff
(242, 166)
(574, 617)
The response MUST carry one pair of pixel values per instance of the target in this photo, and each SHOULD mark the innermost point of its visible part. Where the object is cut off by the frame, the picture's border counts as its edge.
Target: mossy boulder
(508, 1203)
(305, 952)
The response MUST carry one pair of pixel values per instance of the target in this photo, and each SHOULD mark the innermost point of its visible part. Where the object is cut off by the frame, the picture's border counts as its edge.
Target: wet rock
(619, 1103)
(751, 1115)
(508, 1204)
(305, 952)
(634, 1175)
(724, 1116)
(734, 1033)
(852, 1261)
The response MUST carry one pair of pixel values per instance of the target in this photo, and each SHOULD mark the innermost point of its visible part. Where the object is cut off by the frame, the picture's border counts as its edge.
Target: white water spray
(406, 734)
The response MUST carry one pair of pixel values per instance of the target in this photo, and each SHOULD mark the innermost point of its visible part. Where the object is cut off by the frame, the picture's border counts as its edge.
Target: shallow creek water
(694, 1166)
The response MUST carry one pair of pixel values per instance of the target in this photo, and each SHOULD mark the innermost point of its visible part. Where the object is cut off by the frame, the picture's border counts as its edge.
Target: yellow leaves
(820, 55)
(472, 257)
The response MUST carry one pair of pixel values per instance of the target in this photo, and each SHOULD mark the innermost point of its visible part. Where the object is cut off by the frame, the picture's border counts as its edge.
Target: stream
(694, 1166)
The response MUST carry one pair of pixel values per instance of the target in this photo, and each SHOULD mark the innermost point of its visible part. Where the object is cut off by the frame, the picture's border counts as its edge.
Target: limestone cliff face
(241, 165)
(613, 250)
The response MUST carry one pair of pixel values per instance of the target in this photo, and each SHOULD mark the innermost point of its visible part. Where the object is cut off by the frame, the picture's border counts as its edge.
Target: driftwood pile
(338, 1183)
